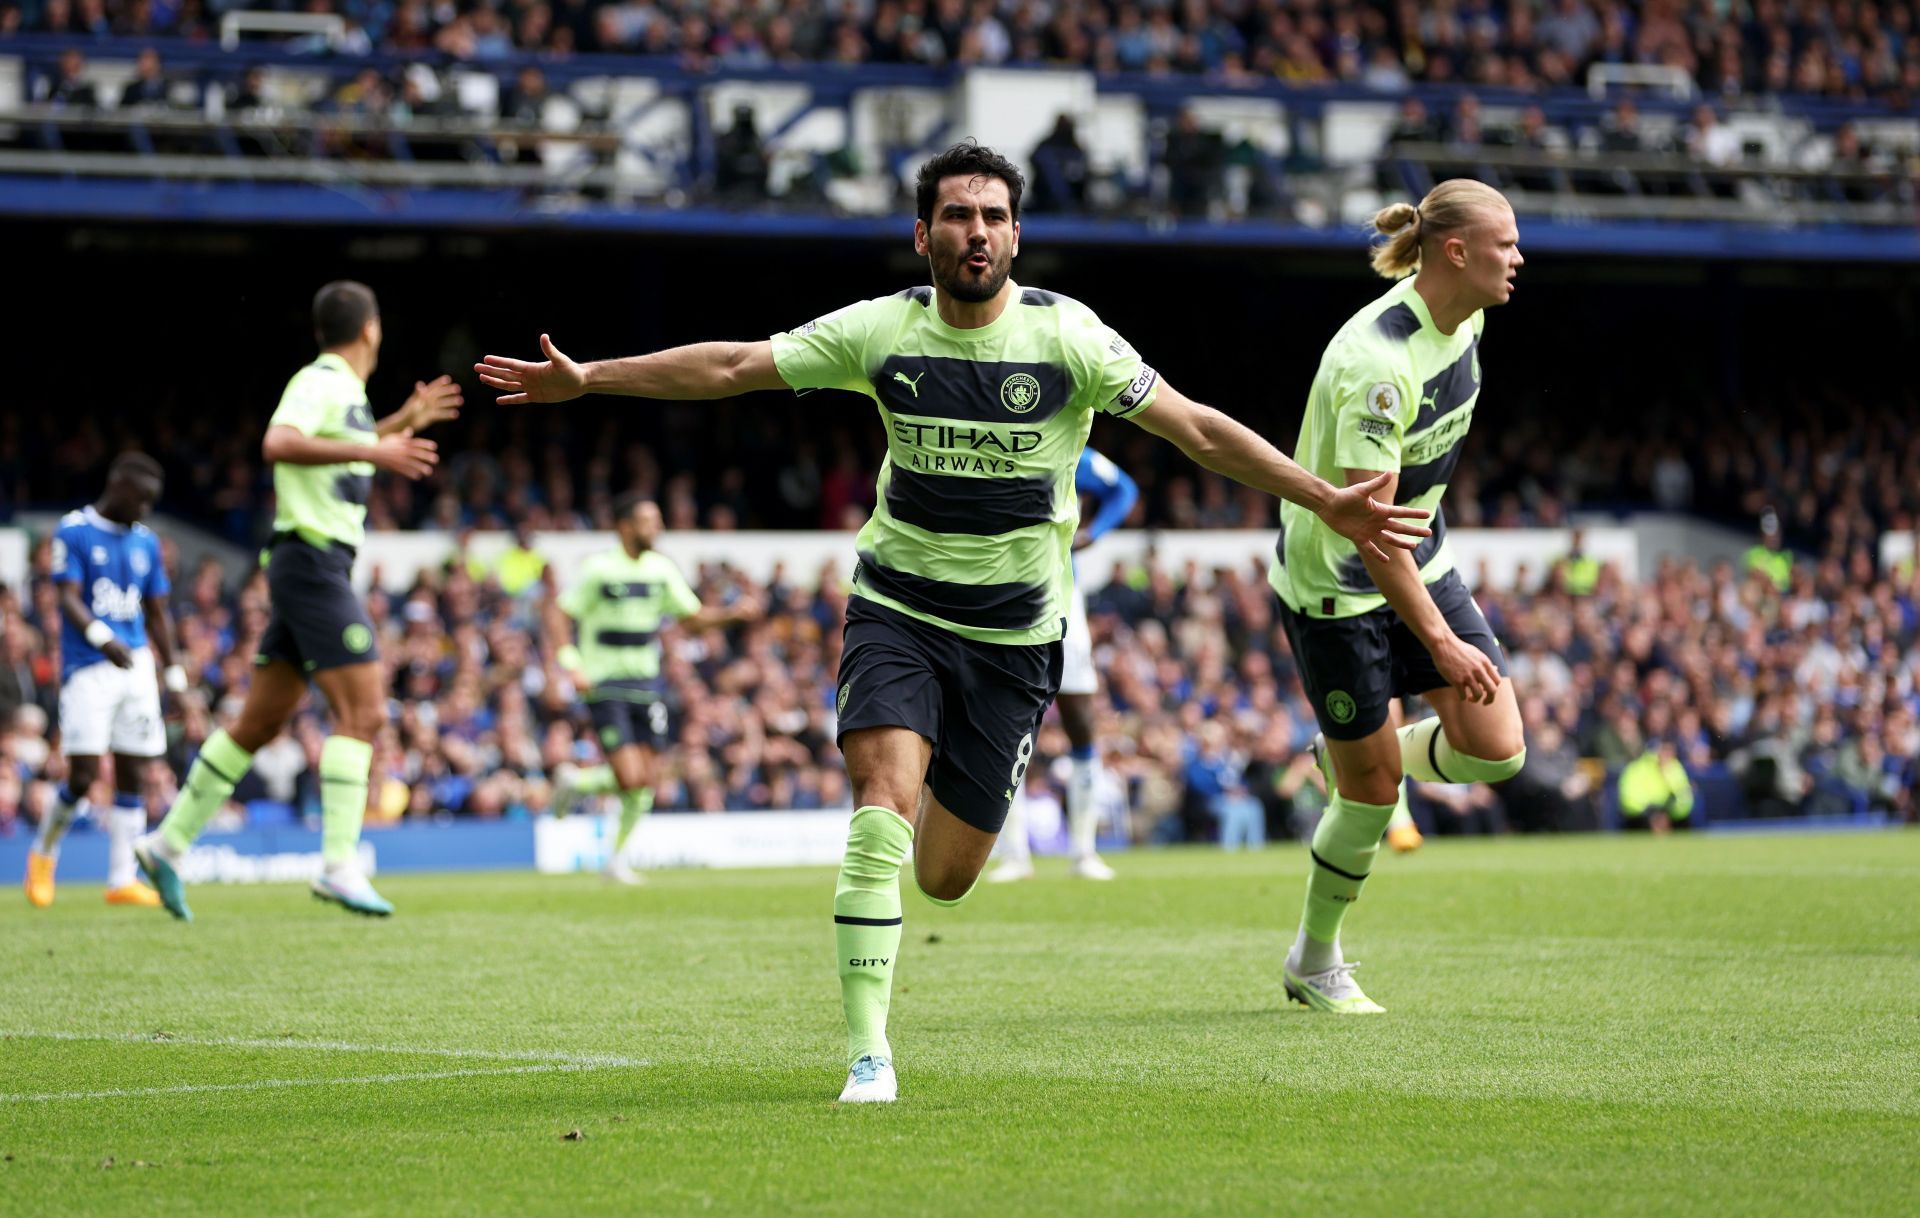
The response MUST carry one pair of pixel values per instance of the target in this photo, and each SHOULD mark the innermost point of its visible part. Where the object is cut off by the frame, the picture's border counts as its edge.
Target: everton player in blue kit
(113, 602)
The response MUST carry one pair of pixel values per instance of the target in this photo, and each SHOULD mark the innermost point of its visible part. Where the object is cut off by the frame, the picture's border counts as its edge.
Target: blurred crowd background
(1835, 49)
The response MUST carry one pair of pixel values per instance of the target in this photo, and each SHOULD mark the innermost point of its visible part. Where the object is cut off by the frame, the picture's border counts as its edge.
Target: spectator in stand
(1059, 170)
(68, 86)
(740, 159)
(1195, 159)
(1655, 791)
(149, 84)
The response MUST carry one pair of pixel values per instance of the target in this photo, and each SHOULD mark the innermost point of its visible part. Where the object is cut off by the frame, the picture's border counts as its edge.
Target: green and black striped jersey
(976, 507)
(324, 503)
(1393, 394)
(621, 604)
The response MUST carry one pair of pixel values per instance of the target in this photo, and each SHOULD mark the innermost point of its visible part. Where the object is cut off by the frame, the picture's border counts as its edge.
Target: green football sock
(1402, 814)
(634, 806)
(597, 781)
(866, 925)
(1343, 851)
(1427, 754)
(220, 765)
(344, 766)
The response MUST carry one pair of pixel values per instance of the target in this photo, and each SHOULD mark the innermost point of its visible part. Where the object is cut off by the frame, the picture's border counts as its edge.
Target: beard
(961, 282)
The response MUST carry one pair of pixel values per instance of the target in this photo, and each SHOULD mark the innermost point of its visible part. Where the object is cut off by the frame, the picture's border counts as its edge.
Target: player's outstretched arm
(695, 372)
(401, 453)
(435, 401)
(1360, 513)
(1465, 666)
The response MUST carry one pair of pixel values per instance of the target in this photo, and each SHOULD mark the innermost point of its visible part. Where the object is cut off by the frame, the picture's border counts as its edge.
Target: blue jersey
(117, 567)
(1113, 493)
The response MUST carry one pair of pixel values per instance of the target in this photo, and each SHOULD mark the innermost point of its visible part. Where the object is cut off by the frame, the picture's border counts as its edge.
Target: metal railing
(1665, 186)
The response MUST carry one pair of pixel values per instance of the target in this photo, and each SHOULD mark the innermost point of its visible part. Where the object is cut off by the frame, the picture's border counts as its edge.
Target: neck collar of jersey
(98, 521)
(337, 362)
(1418, 303)
(992, 328)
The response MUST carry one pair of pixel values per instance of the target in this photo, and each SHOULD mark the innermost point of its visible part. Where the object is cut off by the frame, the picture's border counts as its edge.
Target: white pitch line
(267, 1084)
(604, 1061)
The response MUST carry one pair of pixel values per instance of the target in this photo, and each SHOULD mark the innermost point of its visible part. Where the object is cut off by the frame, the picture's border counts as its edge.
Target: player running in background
(621, 601)
(113, 604)
(1113, 495)
(987, 392)
(324, 446)
(1395, 394)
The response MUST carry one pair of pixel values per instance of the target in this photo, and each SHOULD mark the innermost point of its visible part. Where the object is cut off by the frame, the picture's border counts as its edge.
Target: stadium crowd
(1837, 48)
(1786, 699)
(1837, 474)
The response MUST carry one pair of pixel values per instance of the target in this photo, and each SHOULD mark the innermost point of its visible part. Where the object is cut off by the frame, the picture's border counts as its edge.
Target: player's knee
(946, 888)
(82, 772)
(1370, 783)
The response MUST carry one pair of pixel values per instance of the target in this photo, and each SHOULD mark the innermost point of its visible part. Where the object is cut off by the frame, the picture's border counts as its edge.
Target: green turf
(1727, 1026)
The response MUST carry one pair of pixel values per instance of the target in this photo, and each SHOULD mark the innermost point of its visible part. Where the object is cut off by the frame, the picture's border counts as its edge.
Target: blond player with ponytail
(1395, 395)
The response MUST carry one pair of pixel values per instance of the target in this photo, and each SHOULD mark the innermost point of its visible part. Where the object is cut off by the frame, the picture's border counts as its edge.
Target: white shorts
(1076, 661)
(107, 709)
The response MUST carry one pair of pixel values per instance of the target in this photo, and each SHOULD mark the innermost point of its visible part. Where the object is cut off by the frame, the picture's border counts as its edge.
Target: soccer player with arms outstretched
(621, 601)
(1113, 494)
(113, 603)
(324, 446)
(1395, 395)
(987, 392)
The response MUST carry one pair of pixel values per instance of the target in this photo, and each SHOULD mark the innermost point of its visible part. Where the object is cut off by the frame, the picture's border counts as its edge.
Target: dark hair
(965, 159)
(340, 310)
(626, 505)
(138, 464)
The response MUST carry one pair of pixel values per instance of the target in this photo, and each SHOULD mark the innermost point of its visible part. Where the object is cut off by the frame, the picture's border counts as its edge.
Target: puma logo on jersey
(1431, 399)
(912, 383)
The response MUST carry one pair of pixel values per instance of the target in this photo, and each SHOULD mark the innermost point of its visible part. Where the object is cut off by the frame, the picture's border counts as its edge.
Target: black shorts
(978, 703)
(318, 623)
(619, 722)
(1353, 667)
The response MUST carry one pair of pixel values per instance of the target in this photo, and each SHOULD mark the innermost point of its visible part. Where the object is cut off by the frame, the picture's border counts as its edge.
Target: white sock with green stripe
(866, 925)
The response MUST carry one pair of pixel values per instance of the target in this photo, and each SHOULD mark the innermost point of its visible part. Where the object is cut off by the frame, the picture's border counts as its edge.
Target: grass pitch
(1707, 1025)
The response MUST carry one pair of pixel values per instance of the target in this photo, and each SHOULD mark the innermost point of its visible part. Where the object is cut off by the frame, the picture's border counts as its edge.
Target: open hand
(1468, 669)
(556, 379)
(435, 401)
(1356, 515)
(405, 454)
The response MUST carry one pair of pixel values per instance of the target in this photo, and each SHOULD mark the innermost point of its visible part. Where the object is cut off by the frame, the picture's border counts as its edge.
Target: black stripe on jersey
(353, 488)
(1352, 572)
(1034, 296)
(1417, 480)
(628, 689)
(919, 295)
(1448, 391)
(614, 590)
(1399, 323)
(981, 507)
(973, 391)
(625, 638)
(981, 606)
